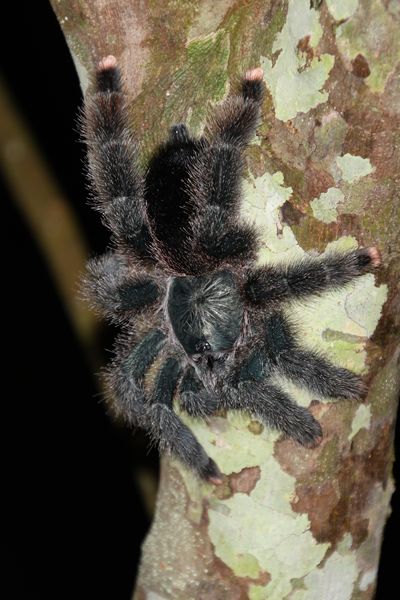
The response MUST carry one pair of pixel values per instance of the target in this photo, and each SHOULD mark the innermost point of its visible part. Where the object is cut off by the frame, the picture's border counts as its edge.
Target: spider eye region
(205, 312)
(202, 347)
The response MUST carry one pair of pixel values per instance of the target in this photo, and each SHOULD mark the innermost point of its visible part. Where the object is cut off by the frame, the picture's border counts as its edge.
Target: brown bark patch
(290, 214)
(241, 590)
(317, 181)
(304, 47)
(306, 500)
(255, 427)
(336, 499)
(245, 481)
(360, 66)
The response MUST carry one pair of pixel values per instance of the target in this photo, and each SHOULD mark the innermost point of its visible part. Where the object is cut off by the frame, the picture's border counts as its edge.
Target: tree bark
(288, 522)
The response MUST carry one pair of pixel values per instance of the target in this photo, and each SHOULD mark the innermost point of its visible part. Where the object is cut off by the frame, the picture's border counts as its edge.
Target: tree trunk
(288, 522)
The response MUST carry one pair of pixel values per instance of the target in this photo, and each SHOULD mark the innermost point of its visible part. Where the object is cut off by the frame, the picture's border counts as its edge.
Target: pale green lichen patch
(342, 9)
(294, 82)
(354, 311)
(353, 167)
(361, 420)
(325, 206)
(264, 197)
(373, 33)
(257, 592)
(335, 580)
(344, 243)
(280, 542)
(364, 304)
(225, 446)
(243, 565)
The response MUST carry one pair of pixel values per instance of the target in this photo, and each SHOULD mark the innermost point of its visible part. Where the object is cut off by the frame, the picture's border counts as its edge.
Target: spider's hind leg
(252, 391)
(275, 408)
(168, 430)
(126, 375)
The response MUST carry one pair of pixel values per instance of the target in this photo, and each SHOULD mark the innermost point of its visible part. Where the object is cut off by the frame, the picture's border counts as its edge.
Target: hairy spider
(181, 280)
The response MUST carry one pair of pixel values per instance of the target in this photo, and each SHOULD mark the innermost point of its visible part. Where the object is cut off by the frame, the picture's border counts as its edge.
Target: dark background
(73, 515)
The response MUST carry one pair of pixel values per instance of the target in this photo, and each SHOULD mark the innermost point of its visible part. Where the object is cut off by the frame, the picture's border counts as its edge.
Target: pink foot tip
(375, 256)
(255, 74)
(317, 441)
(108, 62)
(215, 480)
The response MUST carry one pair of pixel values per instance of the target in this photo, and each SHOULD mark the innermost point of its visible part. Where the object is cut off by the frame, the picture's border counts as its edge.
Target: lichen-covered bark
(288, 523)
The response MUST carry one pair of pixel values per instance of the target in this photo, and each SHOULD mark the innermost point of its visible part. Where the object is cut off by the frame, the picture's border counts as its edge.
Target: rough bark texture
(288, 523)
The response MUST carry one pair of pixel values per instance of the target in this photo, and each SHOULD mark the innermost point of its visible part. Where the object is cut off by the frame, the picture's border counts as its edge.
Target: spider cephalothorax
(181, 280)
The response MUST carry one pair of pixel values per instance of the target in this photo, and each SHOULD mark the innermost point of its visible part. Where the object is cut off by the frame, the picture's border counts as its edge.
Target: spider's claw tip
(107, 62)
(254, 74)
(375, 256)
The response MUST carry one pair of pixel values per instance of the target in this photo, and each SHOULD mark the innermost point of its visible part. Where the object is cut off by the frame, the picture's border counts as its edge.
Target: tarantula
(182, 281)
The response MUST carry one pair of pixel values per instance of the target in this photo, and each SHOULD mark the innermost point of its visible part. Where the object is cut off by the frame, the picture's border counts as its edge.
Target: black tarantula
(181, 280)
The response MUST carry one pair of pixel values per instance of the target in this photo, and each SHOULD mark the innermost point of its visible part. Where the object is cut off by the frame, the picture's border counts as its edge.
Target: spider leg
(125, 377)
(113, 164)
(234, 122)
(114, 291)
(308, 276)
(193, 396)
(214, 182)
(168, 430)
(306, 367)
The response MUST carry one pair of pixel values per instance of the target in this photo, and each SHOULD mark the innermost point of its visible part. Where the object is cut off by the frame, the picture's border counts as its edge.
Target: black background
(73, 518)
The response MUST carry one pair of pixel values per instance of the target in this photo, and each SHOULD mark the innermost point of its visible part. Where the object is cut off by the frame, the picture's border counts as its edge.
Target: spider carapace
(181, 280)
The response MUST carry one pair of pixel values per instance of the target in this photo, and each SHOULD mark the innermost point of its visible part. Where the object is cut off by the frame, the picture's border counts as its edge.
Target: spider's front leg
(214, 182)
(168, 430)
(126, 375)
(308, 276)
(113, 162)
